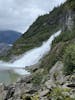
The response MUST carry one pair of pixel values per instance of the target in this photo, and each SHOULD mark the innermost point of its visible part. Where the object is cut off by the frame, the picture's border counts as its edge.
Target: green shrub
(69, 59)
(60, 94)
(65, 36)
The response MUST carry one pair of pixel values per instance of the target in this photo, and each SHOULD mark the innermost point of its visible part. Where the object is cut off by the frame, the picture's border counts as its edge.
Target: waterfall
(31, 57)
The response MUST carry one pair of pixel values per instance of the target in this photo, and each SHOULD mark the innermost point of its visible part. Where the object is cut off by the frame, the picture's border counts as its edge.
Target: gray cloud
(19, 14)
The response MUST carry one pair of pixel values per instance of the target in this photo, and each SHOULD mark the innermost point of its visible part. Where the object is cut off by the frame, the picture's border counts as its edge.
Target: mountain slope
(9, 36)
(42, 28)
(63, 18)
(54, 77)
(4, 49)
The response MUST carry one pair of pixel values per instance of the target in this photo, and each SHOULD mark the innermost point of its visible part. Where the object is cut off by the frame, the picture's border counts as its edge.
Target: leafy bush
(71, 4)
(65, 36)
(60, 94)
(69, 59)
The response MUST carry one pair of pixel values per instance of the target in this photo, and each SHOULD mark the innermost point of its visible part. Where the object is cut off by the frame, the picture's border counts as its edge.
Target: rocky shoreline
(56, 86)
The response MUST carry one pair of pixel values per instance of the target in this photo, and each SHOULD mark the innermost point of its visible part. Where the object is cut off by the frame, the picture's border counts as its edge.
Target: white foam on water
(32, 56)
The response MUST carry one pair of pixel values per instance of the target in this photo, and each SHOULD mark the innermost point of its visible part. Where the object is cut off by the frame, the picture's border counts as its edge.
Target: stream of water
(11, 70)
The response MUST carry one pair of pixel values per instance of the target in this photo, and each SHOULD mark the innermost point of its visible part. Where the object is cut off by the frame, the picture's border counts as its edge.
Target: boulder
(56, 73)
(1, 87)
(43, 93)
(33, 68)
(49, 84)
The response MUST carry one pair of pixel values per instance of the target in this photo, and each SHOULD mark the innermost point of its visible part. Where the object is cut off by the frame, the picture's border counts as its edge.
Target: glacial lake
(8, 77)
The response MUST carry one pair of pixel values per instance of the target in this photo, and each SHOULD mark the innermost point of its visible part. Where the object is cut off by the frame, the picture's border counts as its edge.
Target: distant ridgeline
(9, 36)
(62, 17)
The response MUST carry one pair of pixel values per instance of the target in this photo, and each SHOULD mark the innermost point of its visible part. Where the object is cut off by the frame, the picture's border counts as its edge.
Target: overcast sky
(19, 14)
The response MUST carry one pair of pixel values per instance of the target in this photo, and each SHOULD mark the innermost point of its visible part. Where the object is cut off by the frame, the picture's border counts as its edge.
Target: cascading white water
(31, 57)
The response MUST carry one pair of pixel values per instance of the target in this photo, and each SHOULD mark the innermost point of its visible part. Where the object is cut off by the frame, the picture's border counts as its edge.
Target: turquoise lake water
(8, 77)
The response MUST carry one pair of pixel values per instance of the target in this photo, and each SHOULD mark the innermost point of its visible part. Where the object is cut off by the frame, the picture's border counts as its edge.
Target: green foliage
(71, 4)
(30, 40)
(25, 97)
(53, 56)
(65, 36)
(58, 48)
(35, 97)
(69, 59)
(60, 94)
(39, 77)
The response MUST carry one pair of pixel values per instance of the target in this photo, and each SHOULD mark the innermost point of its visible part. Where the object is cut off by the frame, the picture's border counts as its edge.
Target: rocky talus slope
(56, 87)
